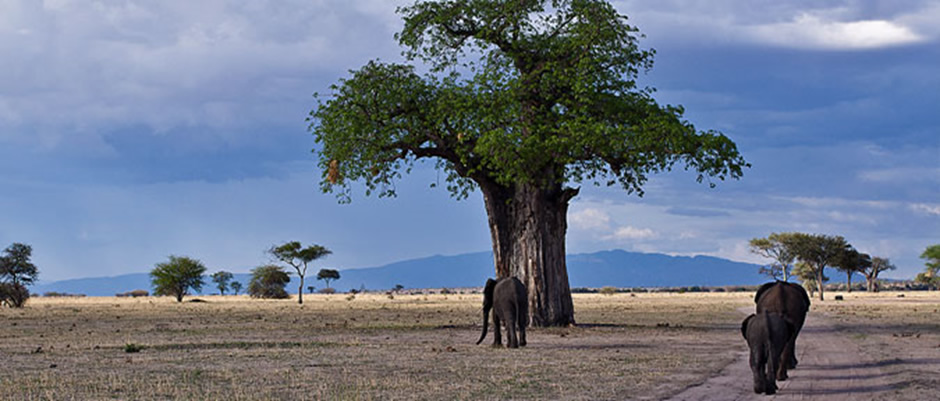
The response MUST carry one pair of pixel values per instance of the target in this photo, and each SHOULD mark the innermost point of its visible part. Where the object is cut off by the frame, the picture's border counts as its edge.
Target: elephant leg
(497, 336)
(758, 372)
(521, 333)
(789, 353)
(513, 340)
(774, 370)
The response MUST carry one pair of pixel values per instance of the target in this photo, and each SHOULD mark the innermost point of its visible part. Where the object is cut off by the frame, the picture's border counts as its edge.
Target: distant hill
(614, 268)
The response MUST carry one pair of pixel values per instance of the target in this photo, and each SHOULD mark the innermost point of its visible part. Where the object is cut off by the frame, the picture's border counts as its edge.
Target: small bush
(14, 295)
(134, 294)
(132, 348)
(327, 291)
(351, 297)
(608, 290)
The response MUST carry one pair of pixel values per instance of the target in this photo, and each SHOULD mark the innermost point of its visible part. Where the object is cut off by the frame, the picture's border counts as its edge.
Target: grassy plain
(643, 346)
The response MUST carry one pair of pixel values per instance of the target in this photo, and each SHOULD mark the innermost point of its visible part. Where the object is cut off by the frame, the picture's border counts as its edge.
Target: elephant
(791, 301)
(508, 299)
(767, 334)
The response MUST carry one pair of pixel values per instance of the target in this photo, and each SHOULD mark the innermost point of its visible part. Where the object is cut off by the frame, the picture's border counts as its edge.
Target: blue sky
(132, 130)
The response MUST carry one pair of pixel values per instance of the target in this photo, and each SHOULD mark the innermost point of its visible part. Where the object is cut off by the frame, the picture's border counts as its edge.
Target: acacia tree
(177, 276)
(16, 272)
(818, 251)
(327, 275)
(298, 257)
(221, 280)
(851, 262)
(807, 276)
(931, 274)
(876, 266)
(777, 247)
(524, 101)
(236, 287)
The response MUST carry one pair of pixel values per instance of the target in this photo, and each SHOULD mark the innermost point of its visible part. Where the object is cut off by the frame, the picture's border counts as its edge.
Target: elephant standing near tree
(791, 301)
(767, 335)
(508, 299)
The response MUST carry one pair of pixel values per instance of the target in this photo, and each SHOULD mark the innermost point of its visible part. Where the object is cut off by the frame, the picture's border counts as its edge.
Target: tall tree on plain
(776, 247)
(177, 276)
(931, 274)
(327, 275)
(524, 101)
(236, 287)
(817, 251)
(298, 257)
(221, 280)
(851, 262)
(871, 271)
(16, 273)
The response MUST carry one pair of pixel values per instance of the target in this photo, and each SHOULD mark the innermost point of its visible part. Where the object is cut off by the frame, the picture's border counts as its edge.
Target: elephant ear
(488, 293)
(744, 325)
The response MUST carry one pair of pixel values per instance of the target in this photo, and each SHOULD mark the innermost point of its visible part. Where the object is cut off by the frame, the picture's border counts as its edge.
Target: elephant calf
(509, 301)
(767, 334)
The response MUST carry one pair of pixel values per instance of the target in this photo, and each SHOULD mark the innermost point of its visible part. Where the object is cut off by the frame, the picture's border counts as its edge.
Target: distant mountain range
(616, 268)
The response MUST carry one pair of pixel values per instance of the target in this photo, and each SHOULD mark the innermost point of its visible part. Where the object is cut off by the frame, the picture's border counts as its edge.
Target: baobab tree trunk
(528, 226)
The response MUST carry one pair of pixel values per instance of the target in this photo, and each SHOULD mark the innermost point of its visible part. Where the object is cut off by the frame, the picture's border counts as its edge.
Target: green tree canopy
(931, 274)
(298, 257)
(525, 101)
(236, 287)
(327, 275)
(177, 276)
(777, 247)
(221, 280)
(16, 267)
(818, 251)
(850, 262)
(268, 281)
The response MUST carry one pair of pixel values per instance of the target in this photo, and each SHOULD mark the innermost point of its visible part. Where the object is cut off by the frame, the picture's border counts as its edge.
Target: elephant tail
(487, 305)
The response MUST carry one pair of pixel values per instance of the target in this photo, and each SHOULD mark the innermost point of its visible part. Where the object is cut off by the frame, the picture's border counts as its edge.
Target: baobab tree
(523, 101)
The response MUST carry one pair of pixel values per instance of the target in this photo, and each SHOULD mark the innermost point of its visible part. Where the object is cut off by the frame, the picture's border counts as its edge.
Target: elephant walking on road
(791, 301)
(508, 299)
(767, 335)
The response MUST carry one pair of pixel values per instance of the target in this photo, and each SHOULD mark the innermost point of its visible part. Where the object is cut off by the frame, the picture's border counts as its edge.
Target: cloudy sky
(131, 130)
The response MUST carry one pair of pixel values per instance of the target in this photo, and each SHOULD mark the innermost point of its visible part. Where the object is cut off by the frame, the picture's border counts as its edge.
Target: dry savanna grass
(643, 346)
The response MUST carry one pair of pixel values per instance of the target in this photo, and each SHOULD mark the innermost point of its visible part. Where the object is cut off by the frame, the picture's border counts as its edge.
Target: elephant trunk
(487, 305)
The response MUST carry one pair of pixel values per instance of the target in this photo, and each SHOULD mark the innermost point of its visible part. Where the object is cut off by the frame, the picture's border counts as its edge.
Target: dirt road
(831, 367)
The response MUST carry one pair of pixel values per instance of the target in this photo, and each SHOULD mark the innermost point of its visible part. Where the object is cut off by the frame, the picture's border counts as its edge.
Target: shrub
(268, 281)
(608, 290)
(327, 291)
(132, 348)
(13, 295)
(134, 294)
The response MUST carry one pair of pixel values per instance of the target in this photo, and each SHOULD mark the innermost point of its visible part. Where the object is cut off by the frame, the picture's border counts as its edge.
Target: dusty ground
(866, 347)
(648, 346)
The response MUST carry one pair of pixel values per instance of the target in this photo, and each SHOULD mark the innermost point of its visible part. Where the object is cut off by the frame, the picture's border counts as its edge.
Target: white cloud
(589, 219)
(902, 174)
(631, 233)
(808, 31)
(925, 208)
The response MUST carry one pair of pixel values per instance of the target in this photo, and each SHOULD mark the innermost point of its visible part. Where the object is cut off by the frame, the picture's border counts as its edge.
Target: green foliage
(268, 281)
(931, 274)
(177, 276)
(549, 98)
(327, 275)
(15, 266)
(778, 248)
(236, 287)
(133, 348)
(221, 280)
(13, 295)
(874, 267)
(817, 251)
(298, 257)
